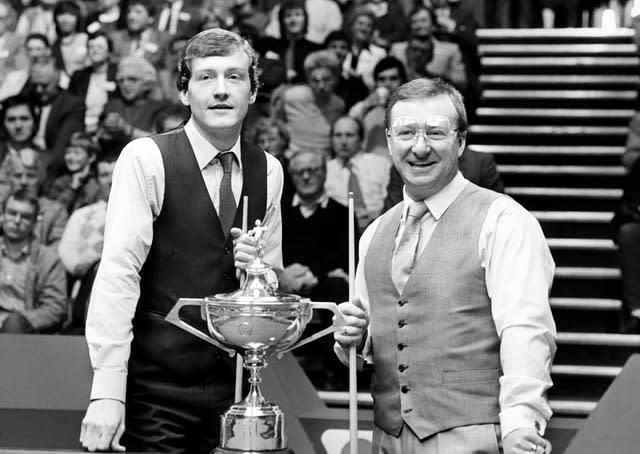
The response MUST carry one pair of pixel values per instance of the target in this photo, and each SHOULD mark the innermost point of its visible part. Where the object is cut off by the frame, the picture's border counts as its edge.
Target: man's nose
(421, 146)
(221, 89)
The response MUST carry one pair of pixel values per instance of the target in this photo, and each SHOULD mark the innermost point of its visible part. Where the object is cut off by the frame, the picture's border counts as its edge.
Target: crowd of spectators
(79, 79)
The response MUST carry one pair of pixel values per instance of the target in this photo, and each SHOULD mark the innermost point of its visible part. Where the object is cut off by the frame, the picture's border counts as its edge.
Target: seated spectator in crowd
(248, 17)
(169, 89)
(391, 24)
(350, 89)
(419, 54)
(626, 230)
(97, 82)
(70, 48)
(131, 114)
(478, 168)
(14, 81)
(180, 18)
(315, 256)
(171, 117)
(309, 110)
(272, 136)
(27, 172)
(18, 120)
(78, 187)
(389, 74)
(61, 113)
(38, 19)
(286, 55)
(447, 59)
(324, 17)
(107, 18)
(353, 170)
(142, 40)
(12, 53)
(363, 54)
(33, 283)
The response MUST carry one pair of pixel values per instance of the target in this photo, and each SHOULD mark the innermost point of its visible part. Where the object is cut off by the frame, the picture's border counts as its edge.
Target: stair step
(560, 33)
(592, 304)
(582, 95)
(589, 193)
(590, 114)
(562, 170)
(558, 49)
(548, 150)
(586, 371)
(573, 216)
(564, 62)
(581, 244)
(559, 79)
(599, 339)
(592, 273)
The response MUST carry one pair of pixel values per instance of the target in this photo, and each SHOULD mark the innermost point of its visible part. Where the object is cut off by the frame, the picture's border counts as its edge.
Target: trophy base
(235, 451)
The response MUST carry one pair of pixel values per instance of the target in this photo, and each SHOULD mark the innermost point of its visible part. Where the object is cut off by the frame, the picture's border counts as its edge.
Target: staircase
(554, 111)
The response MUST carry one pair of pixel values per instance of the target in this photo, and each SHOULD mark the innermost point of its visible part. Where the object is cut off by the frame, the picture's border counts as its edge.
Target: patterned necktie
(227, 208)
(405, 255)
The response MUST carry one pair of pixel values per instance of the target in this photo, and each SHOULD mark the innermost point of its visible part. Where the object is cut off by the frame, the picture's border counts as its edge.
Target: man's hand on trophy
(244, 247)
(356, 324)
(103, 425)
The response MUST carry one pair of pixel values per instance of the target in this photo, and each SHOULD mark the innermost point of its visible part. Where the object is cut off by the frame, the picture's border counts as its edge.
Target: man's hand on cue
(244, 248)
(525, 441)
(356, 323)
(103, 425)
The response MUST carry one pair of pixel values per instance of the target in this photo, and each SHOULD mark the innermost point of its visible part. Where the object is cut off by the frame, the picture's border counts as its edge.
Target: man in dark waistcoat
(451, 304)
(171, 232)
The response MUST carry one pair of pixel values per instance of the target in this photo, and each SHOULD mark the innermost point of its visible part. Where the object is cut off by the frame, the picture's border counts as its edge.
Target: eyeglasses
(406, 129)
(313, 171)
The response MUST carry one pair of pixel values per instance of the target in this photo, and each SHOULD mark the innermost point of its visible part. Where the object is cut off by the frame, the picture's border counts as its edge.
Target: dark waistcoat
(435, 347)
(189, 257)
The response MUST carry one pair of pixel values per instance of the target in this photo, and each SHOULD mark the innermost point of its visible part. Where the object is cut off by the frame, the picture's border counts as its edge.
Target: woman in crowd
(363, 54)
(70, 48)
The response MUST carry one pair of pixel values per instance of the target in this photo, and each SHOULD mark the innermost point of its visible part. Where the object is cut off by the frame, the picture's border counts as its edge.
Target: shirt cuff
(109, 385)
(521, 416)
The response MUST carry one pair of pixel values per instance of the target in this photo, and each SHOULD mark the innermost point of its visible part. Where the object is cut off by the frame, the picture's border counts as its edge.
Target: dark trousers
(163, 414)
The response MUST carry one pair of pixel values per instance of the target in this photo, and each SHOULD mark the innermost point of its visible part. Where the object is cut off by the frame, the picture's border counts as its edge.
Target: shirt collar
(203, 149)
(441, 200)
(322, 201)
(24, 252)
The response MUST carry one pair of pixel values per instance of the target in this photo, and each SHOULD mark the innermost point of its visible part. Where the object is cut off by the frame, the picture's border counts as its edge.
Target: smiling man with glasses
(451, 304)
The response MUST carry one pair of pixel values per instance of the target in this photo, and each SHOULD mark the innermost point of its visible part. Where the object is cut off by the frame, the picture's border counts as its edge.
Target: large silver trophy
(256, 321)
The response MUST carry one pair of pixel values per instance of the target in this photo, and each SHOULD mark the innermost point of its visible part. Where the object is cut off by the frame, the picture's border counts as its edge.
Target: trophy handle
(337, 324)
(173, 317)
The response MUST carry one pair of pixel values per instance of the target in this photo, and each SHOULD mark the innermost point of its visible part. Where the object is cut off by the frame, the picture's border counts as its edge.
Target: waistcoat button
(401, 323)
(405, 389)
(402, 367)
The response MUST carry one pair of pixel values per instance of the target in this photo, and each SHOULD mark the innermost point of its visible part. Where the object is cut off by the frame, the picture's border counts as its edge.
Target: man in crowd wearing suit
(180, 18)
(171, 232)
(451, 304)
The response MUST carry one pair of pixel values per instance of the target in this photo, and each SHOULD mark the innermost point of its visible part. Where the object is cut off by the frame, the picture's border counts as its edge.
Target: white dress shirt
(372, 171)
(135, 202)
(518, 274)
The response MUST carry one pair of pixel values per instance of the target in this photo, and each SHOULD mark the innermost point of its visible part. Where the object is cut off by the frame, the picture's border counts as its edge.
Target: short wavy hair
(322, 59)
(215, 42)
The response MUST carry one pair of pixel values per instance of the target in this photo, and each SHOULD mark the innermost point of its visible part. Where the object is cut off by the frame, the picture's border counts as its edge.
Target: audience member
(447, 58)
(350, 89)
(27, 172)
(37, 45)
(626, 228)
(180, 18)
(272, 136)
(131, 114)
(353, 170)
(61, 113)
(33, 283)
(176, 44)
(309, 110)
(141, 39)
(391, 23)
(78, 186)
(107, 18)
(18, 120)
(12, 53)
(389, 74)
(324, 17)
(14, 81)
(70, 47)
(479, 168)
(38, 19)
(248, 17)
(364, 54)
(291, 49)
(419, 54)
(95, 83)
(171, 117)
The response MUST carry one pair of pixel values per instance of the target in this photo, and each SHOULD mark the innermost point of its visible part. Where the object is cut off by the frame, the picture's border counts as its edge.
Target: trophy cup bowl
(257, 322)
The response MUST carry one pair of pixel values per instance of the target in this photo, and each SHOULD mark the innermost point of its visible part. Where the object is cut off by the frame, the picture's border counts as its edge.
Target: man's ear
(184, 99)
(462, 141)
